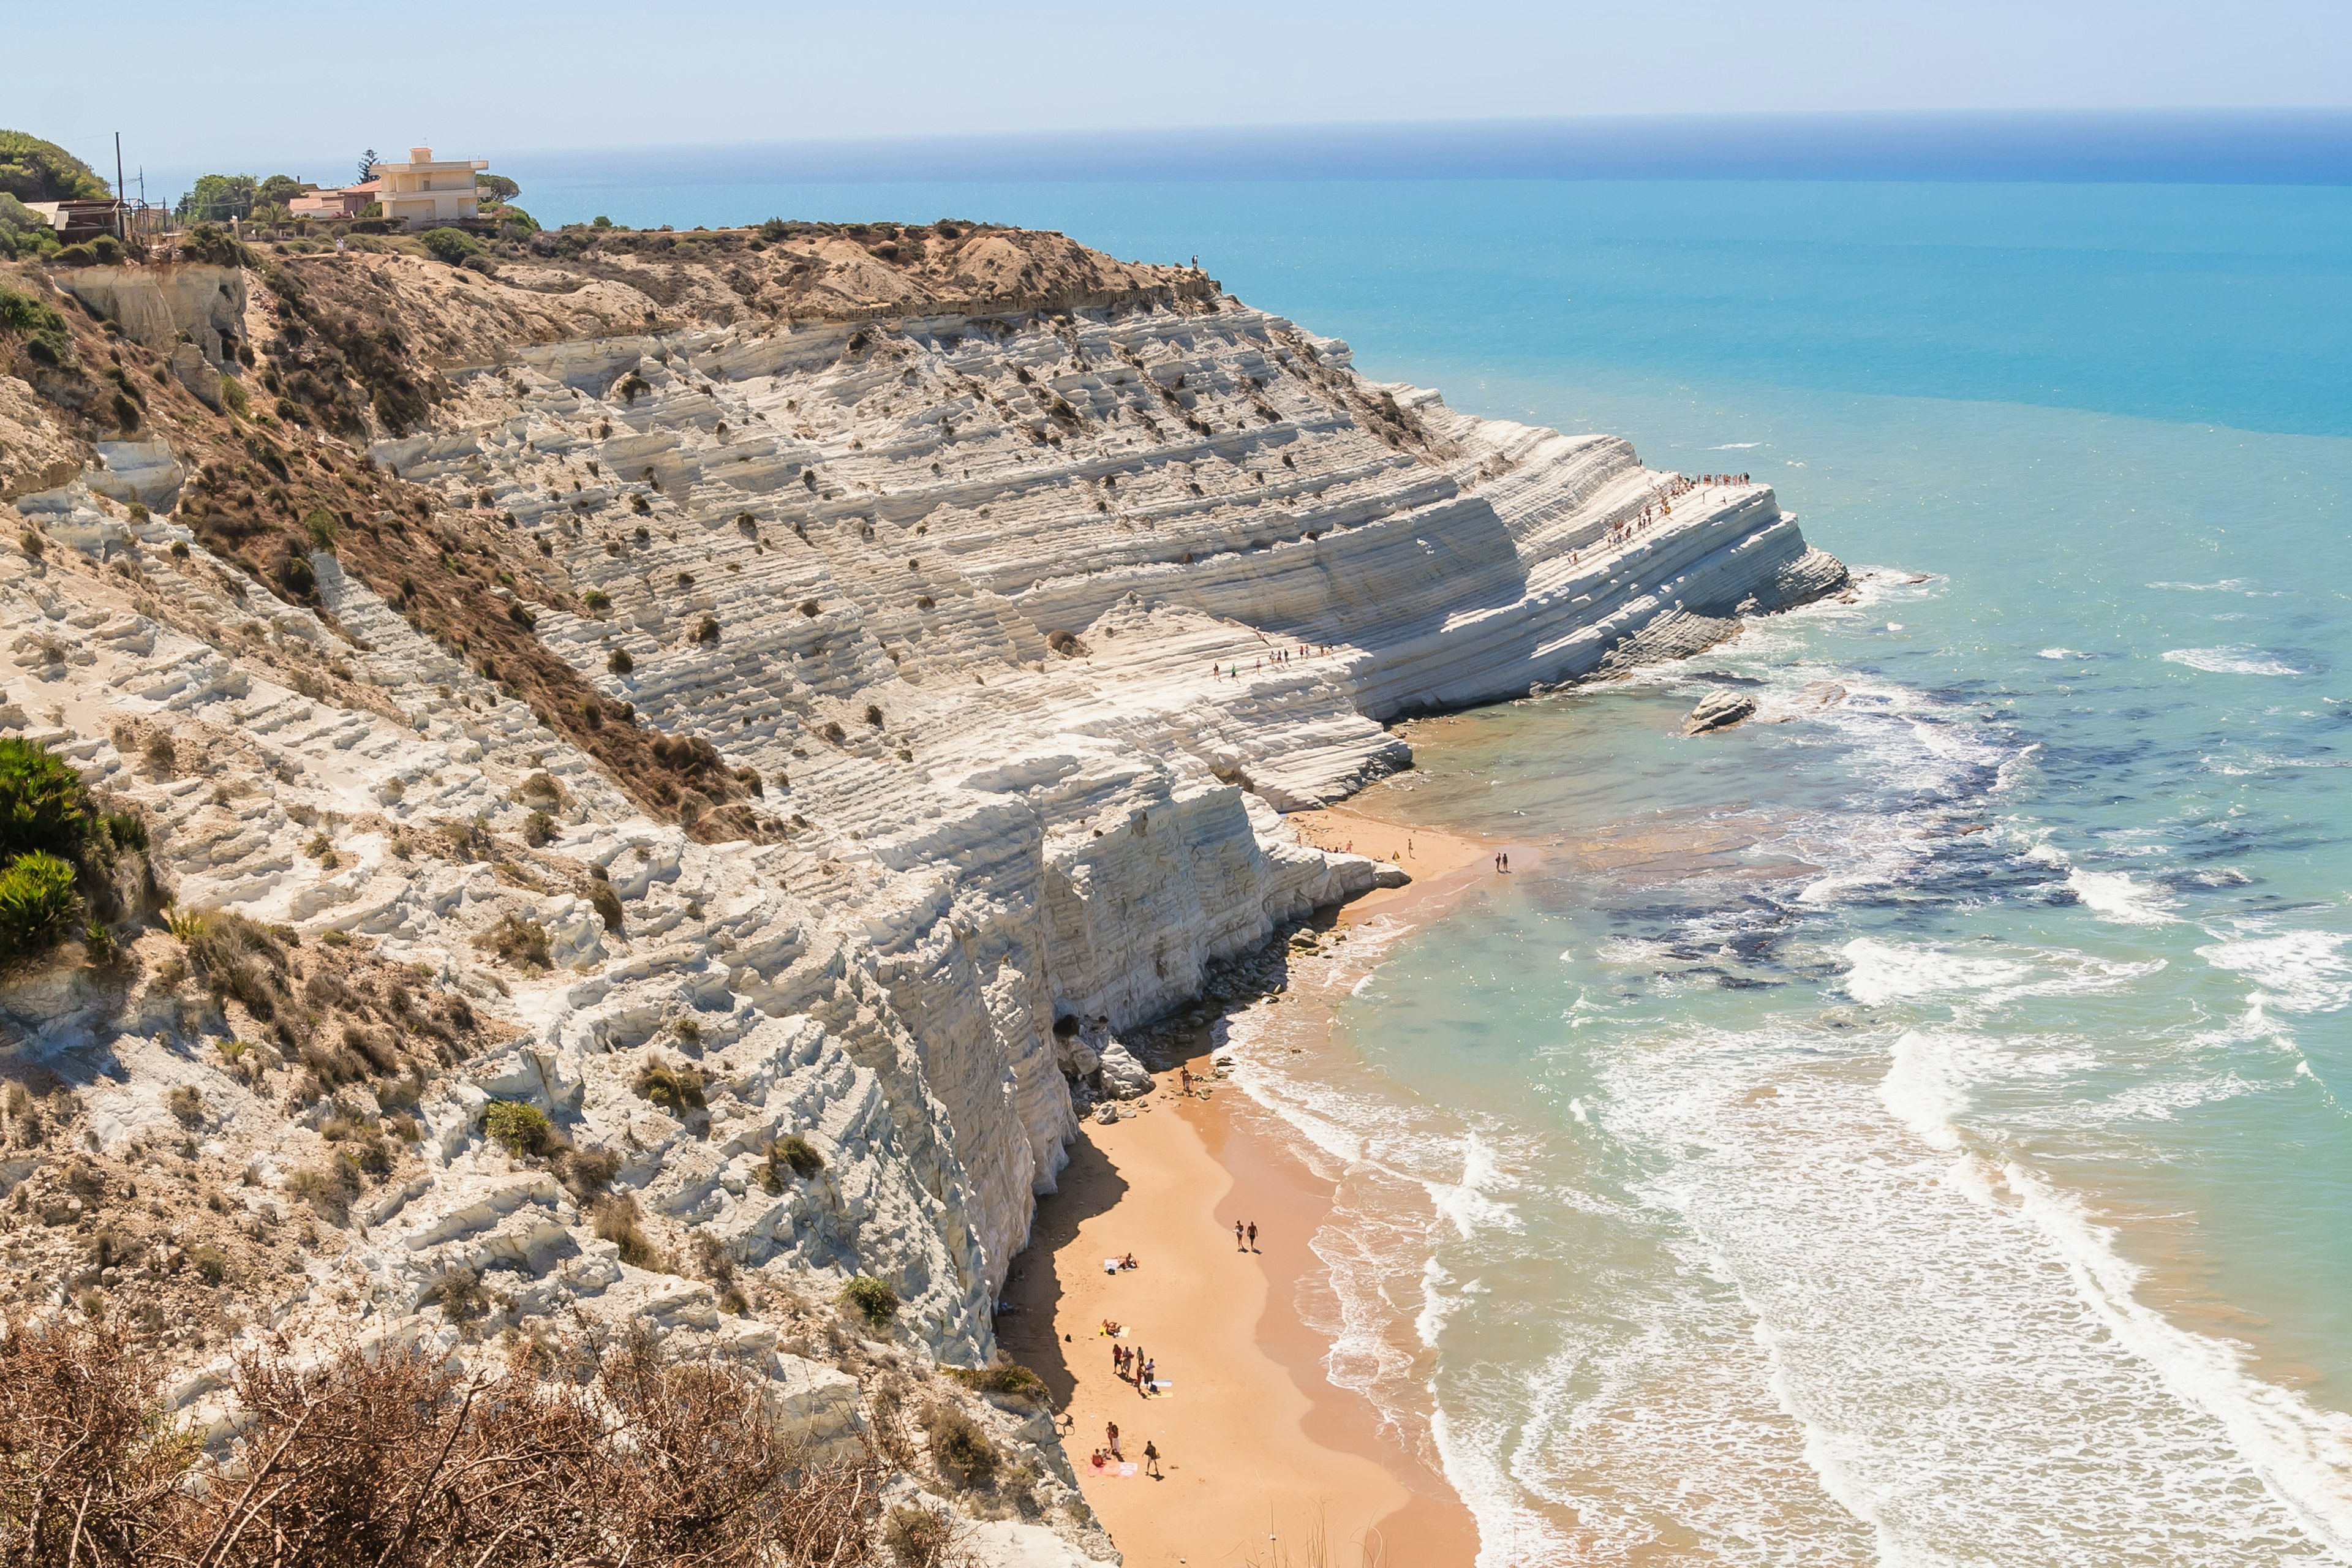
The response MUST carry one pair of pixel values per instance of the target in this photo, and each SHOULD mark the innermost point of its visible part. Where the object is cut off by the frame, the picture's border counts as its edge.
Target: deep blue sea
(1910, 1127)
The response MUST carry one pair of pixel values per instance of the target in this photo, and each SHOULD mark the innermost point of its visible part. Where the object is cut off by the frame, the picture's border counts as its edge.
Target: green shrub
(43, 329)
(517, 1127)
(607, 905)
(37, 171)
(210, 1263)
(791, 1153)
(871, 1299)
(520, 943)
(597, 601)
(37, 904)
(675, 1088)
(959, 1447)
(43, 803)
(449, 245)
(1008, 1379)
(324, 529)
(619, 662)
(295, 575)
(185, 1104)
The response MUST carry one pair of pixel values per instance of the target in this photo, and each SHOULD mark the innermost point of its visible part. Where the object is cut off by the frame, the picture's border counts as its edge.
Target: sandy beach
(1263, 1460)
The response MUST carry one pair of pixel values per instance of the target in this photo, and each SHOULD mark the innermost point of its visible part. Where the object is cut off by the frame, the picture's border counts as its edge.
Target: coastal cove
(2025, 887)
(797, 792)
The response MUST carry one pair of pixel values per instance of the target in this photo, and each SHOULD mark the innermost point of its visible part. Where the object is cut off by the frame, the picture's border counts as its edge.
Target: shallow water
(1906, 1128)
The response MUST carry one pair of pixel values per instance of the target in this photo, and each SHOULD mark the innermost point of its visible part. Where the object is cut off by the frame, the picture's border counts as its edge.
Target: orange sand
(1263, 1460)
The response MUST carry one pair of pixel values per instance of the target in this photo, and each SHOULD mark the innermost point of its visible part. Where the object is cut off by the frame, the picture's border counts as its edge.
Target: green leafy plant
(517, 1127)
(44, 331)
(522, 943)
(37, 904)
(1006, 1379)
(674, 1086)
(44, 804)
(793, 1153)
(871, 1299)
(449, 245)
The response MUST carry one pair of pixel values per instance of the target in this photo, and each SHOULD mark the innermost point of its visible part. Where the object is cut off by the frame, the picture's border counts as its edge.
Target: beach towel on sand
(1110, 1265)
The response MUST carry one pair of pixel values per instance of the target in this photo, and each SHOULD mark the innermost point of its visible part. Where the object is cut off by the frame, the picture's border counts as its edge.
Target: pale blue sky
(304, 88)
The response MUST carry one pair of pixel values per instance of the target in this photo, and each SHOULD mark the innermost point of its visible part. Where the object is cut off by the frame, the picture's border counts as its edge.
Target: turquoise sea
(1912, 1130)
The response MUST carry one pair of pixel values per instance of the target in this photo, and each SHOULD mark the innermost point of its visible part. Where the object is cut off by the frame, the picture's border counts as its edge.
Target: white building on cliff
(426, 191)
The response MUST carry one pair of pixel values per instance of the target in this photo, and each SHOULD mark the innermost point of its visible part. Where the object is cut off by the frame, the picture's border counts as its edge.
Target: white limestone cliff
(1031, 627)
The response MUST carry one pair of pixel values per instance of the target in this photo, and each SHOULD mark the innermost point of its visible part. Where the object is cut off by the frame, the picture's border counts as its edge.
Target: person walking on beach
(1238, 1236)
(1253, 1236)
(1110, 1429)
(1151, 1460)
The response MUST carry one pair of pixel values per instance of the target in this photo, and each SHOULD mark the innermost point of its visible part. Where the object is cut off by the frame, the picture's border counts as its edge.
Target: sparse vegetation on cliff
(398, 1458)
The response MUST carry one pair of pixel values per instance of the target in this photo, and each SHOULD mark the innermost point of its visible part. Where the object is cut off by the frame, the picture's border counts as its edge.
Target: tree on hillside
(496, 188)
(367, 167)
(218, 198)
(23, 232)
(32, 170)
(279, 189)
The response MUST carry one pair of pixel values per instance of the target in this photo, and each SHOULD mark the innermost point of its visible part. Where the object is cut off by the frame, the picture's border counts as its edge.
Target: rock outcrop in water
(754, 701)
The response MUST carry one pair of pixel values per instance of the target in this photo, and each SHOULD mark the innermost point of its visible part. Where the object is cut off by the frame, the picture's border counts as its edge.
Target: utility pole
(120, 232)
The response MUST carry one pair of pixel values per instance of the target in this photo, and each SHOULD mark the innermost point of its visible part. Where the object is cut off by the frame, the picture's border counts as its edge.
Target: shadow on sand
(1089, 1185)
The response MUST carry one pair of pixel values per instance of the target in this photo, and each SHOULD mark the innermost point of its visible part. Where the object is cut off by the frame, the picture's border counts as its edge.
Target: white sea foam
(1468, 1203)
(1878, 973)
(2230, 661)
(2303, 1453)
(2226, 585)
(2115, 896)
(1957, 1386)
(2062, 653)
(1927, 1087)
(2297, 971)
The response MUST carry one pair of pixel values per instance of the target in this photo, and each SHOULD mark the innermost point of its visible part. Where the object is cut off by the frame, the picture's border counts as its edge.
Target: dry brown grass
(404, 1462)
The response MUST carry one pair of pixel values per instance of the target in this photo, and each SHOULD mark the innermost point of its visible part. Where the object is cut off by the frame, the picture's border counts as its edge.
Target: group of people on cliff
(1661, 505)
(1279, 658)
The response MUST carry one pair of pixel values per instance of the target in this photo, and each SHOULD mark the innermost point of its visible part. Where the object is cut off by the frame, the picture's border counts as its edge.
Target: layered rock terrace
(1019, 594)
